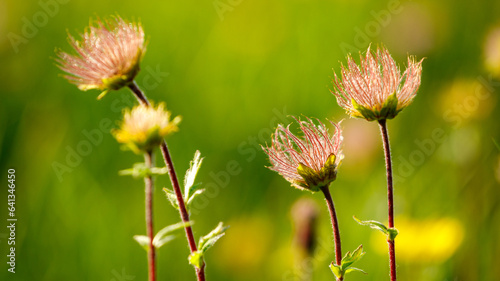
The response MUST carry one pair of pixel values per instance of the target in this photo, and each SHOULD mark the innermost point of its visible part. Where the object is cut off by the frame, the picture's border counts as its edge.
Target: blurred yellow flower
(464, 100)
(246, 248)
(144, 127)
(425, 241)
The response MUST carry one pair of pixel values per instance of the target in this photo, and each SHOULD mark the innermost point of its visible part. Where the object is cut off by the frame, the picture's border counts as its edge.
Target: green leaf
(196, 259)
(143, 240)
(390, 232)
(336, 270)
(158, 171)
(345, 267)
(191, 173)
(171, 197)
(351, 269)
(210, 242)
(351, 258)
(207, 241)
(163, 240)
(373, 224)
(140, 170)
(163, 236)
(196, 193)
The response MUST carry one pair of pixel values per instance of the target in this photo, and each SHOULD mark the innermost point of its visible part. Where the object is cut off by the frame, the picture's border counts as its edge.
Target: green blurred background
(233, 69)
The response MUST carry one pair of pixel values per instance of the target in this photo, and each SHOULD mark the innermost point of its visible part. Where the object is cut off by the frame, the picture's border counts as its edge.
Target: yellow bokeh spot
(464, 100)
(423, 241)
(245, 245)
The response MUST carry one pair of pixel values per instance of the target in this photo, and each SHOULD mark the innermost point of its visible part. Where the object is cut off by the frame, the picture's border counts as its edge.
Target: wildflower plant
(108, 58)
(377, 90)
(310, 163)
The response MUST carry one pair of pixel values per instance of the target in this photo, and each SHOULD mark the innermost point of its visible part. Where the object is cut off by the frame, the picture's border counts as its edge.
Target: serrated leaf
(210, 242)
(196, 193)
(163, 236)
(351, 258)
(143, 240)
(191, 190)
(171, 197)
(196, 259)
(207, 241)
(390, 232)
(341, 270)
(191, 175)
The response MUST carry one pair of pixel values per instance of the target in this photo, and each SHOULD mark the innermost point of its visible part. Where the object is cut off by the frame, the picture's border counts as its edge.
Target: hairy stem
(390, 196)
(200, 272)
(139, 94)
(149, 217)
(335, 226)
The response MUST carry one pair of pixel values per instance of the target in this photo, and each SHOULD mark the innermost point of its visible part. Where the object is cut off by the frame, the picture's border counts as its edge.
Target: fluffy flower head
(107, 57)
(376, 89)
(309, 162)
(144, 127)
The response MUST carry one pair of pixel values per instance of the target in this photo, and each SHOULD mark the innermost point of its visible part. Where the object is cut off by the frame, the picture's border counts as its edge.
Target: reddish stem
(149, 217)
(139, 94)
(200, 272)
(390, 195)
(335, 226)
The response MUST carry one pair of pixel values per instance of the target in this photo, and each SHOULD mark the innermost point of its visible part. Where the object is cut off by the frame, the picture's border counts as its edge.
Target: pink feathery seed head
(107, 55)
(310, 161)
(375, 89)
